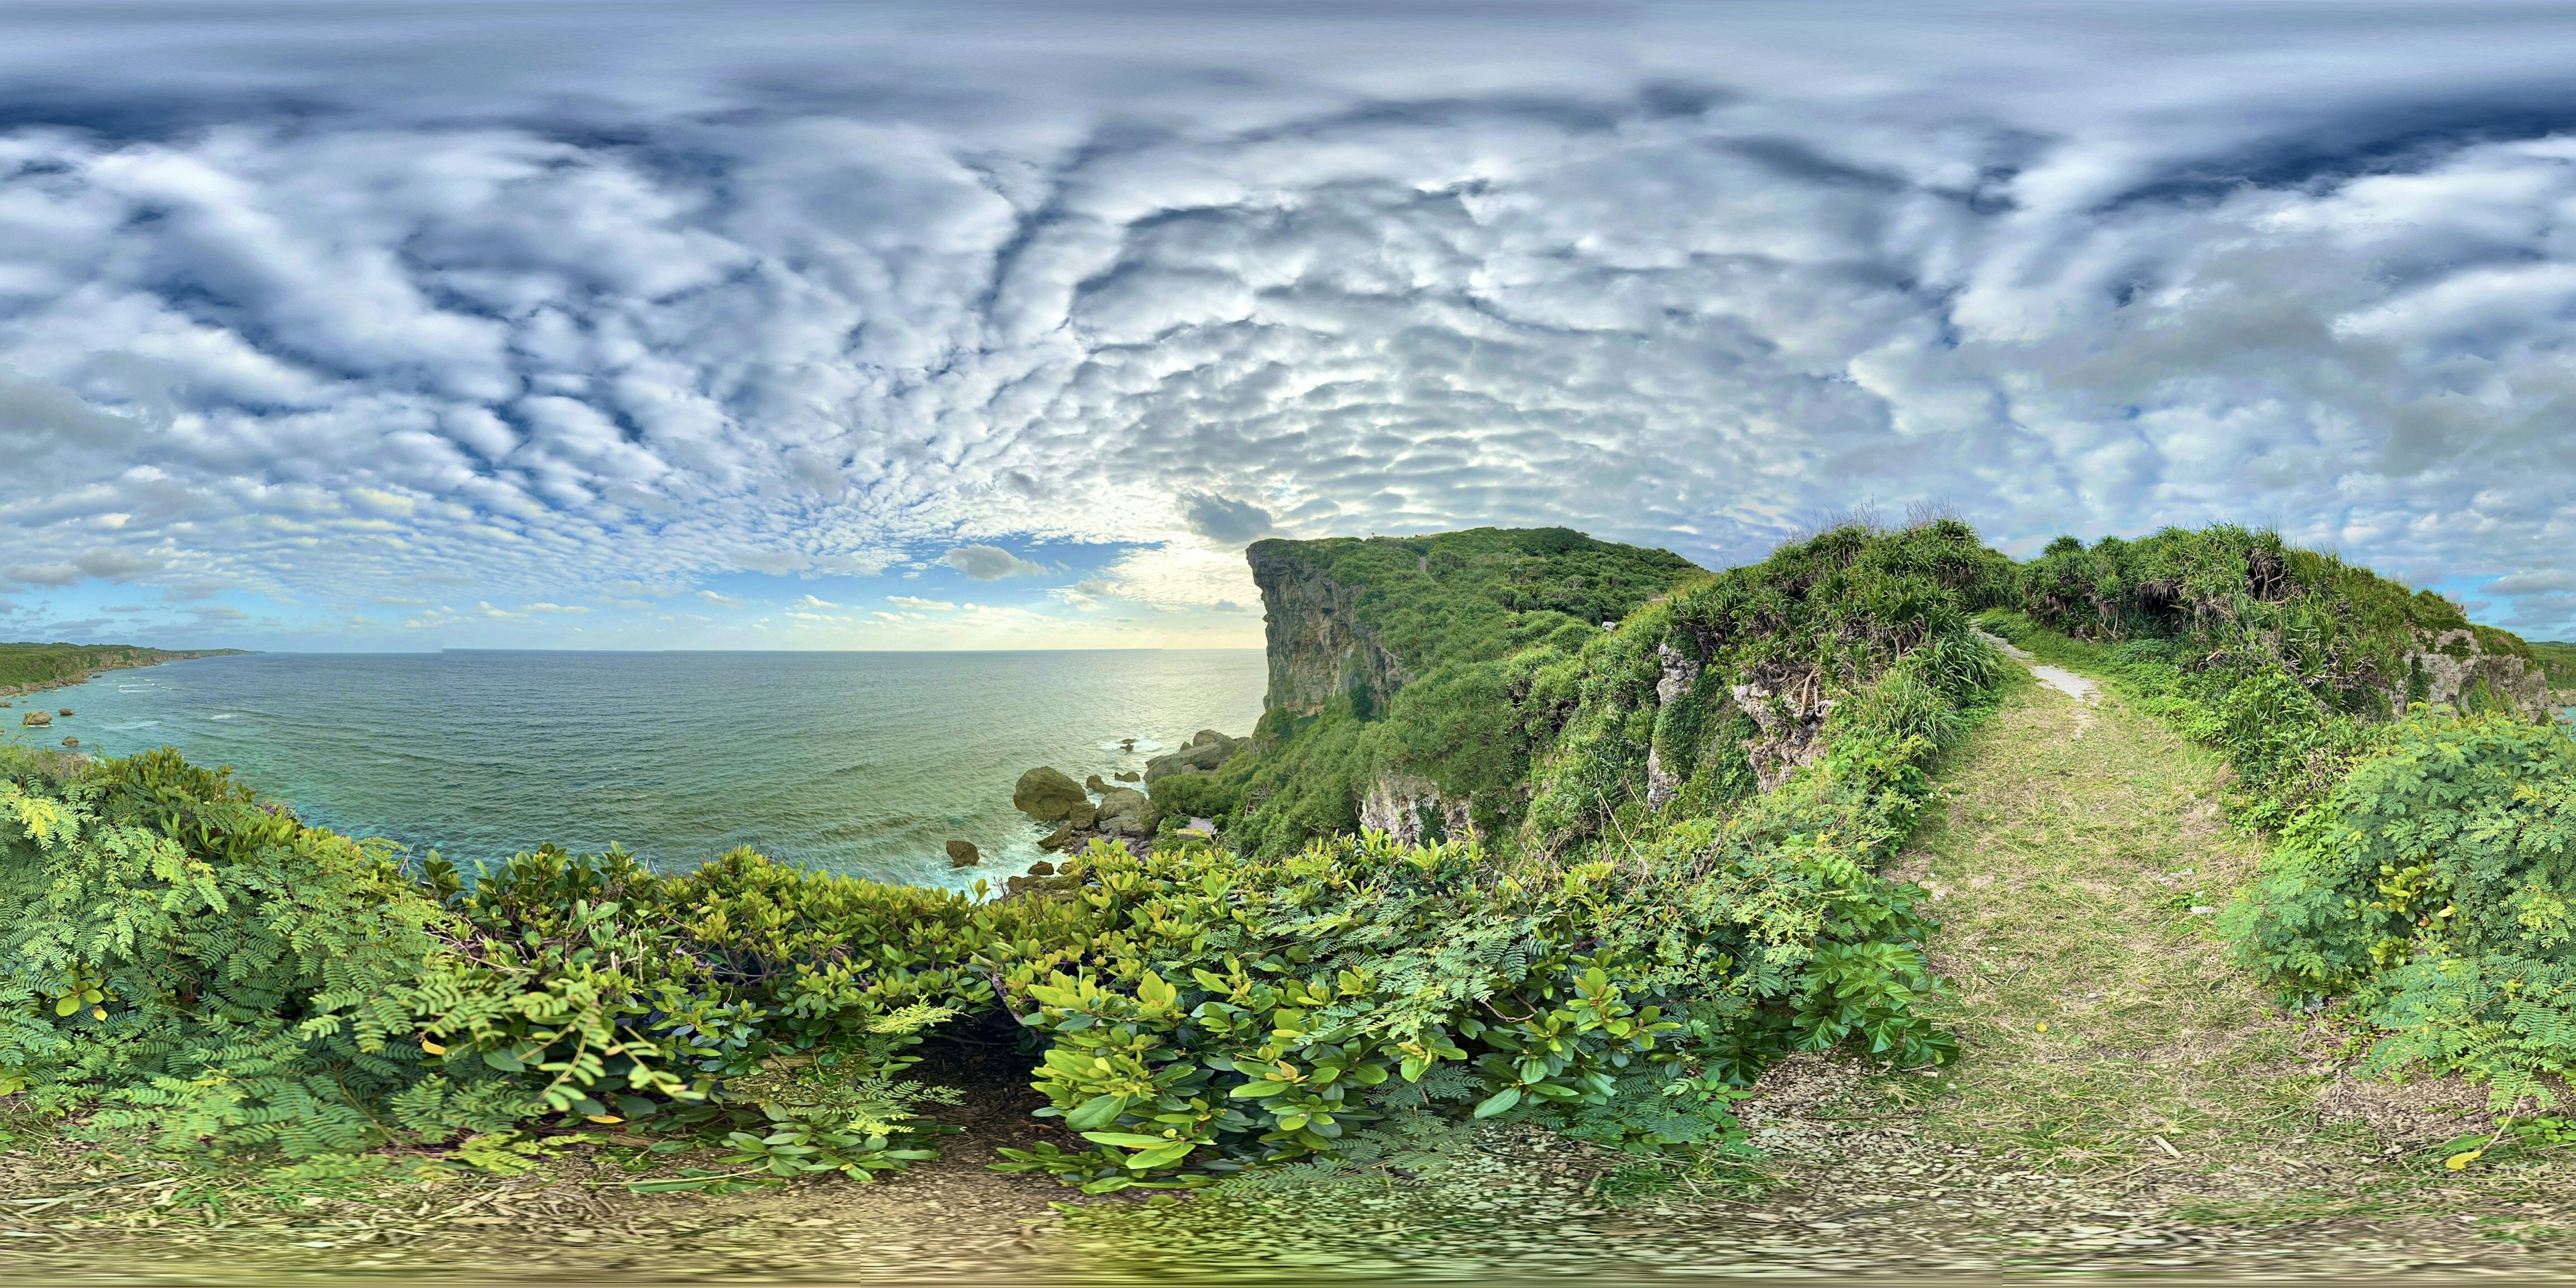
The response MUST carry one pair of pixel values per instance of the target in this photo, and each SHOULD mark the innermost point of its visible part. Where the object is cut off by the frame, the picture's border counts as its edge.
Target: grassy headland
(26, 668)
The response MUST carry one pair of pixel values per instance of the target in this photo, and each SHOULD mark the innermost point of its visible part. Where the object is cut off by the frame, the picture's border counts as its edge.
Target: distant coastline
(35, 668)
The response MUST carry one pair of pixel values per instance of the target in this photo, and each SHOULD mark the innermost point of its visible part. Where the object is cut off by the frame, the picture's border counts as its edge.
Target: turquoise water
(863, 763)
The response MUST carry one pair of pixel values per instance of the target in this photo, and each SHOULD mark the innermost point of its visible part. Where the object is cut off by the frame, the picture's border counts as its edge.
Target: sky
(990, 325)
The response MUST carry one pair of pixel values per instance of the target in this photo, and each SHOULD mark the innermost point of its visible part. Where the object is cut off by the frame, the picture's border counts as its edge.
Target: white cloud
(956, 297)
(912, 601)
(989, 563)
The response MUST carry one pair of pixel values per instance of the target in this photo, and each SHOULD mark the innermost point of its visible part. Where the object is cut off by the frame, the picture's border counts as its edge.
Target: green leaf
(1099, 1111)
(1126, 1139)
(1164, 1157)
(1256, 1090)
(1499, 1102)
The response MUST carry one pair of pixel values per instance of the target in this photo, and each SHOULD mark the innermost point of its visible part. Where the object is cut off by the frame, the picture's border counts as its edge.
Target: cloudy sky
(465, 323)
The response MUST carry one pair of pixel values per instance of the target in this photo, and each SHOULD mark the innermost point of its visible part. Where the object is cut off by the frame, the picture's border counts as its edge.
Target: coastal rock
(1083, 815)
(35, 719)
(963, 854)
(1125, 803)
(1041, 868)
(1094, 784)
(71, 742)
(66, 713)
(1047, 795)
(1061, 837)
(1410, 811)
(1128, 776)
(1205, 752)
(1125, 826)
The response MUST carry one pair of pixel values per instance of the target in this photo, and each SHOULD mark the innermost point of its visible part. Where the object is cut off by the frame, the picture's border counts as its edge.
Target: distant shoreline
(68, 681)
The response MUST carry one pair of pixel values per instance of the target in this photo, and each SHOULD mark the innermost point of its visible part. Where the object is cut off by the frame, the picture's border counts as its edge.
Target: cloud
(711, 299)
(909, 601)
(989, 563)
(1227, 521)
(811, 601)
(543, 607)
(2522, 583)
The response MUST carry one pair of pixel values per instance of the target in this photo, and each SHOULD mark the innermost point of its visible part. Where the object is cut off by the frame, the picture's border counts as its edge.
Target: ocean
(858, 763)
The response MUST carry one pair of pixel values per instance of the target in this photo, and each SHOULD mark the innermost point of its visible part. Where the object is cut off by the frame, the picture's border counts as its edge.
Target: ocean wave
(225, 715)
(1143, 745)
(131, 725)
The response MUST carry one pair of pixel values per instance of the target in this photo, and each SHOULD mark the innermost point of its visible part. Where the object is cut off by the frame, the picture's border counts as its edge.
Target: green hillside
(23, 665)
(2559, 660)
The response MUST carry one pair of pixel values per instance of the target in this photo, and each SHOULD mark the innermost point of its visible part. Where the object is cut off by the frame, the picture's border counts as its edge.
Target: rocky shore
(1107, 809)
(95, 662)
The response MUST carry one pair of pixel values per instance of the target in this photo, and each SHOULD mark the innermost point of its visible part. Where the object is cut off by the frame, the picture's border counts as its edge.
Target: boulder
(1128, 776)
(1047, 795)
(35, 720)
(1041, 868)
(1083, 815)
(963, 854)
(1061, 837)
(1125, 802)
(1125, 826)
(71, 742)
(1199, 757)
(66, 713)
(1094, 784)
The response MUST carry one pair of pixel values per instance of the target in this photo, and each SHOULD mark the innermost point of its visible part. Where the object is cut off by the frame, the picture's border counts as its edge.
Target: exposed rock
(1093, 784)
(1319, 649)
(1680, 672)
(65, 713)
(1041, 868)
(1204, 828)
(36, 719)
(1047, 795)
(1128, 776)
(1205, 752)
(1124, 802)
(1061, 837)
(2449, 665)
(1083, 815)
(71, 742)
(1790, 711)
(963, 854)
(1125, 826)
(1411, 812)
(1127, 744)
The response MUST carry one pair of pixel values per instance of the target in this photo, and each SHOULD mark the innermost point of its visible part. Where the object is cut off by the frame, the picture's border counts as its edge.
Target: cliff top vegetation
(30, 663)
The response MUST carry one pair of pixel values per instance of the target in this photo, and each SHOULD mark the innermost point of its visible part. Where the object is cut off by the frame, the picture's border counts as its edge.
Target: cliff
(27, 668)
(1363, 618)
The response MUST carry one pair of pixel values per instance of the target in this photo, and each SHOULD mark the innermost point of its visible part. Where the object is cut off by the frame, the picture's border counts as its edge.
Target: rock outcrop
(1410, 811)
(1790, 711)
(963, 854)
(2448, 667)
(1680, 672)
(1128, 776)
(1206, 750)
(1047, 795)
(1124, 811)
(36, 719)
(1318, 647)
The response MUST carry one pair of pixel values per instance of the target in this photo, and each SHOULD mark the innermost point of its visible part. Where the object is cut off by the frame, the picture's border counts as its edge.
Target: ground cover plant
(2423, 862)
(188, 964)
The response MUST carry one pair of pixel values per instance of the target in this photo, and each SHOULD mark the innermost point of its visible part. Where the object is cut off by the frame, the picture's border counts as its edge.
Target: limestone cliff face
(1318, 647)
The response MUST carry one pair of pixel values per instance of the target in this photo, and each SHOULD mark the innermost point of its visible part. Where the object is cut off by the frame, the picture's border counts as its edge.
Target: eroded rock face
(2450, 665)
(1680, 672)
(1411, 812)
(963, 854)
(1318, 648)
(1124, 803)
(1790, 711)
(1047, 795)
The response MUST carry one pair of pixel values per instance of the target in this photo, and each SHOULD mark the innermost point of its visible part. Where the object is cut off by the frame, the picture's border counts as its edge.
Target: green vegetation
(186, 962)
(2423, 864)
(2557, 661)
(24, 665)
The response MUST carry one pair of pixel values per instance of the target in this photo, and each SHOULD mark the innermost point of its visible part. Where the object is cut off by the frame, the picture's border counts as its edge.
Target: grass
(2106, 1036)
